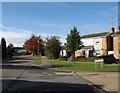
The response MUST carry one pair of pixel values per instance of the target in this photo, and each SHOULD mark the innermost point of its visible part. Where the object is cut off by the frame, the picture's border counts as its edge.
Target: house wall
(98, 46)
(104, 45)
(116, 46)
(78, 53)
(87, 41)
(63, 53)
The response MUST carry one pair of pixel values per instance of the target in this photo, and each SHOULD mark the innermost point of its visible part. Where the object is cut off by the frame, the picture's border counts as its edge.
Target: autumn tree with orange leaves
(34, 45)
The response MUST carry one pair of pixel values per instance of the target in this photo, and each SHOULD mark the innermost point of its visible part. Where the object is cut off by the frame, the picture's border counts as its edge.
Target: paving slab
(106, 80)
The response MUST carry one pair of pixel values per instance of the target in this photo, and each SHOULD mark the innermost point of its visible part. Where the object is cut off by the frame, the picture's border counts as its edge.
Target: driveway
(20, 76)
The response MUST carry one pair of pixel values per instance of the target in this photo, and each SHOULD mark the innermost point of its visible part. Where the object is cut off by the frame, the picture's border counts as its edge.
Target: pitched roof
(95, 35)
(117, 32)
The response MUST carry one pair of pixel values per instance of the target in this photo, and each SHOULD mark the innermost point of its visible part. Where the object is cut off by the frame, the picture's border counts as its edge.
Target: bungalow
(65, 53)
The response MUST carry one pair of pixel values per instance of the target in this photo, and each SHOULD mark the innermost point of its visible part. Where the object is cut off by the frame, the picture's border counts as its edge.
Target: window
(97, 41)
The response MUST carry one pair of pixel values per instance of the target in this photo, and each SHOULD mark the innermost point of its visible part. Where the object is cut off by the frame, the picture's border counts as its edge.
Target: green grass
(37, 60)
(83, 66)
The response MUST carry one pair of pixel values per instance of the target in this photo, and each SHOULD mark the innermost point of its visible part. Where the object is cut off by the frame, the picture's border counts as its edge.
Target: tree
(0, 53)
(53, 47)
(73, 41)
(10, 50)
(4, 50)
(34, 45)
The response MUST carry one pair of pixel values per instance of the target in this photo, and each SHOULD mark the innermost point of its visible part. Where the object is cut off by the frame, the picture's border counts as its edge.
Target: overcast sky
(20, 20)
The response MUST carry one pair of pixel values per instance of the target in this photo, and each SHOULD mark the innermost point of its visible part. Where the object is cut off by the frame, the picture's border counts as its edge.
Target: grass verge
(37, 60)
(83, 66)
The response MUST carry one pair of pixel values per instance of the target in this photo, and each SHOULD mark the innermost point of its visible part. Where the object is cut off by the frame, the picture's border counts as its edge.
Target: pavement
(19, 75)
(107, 81)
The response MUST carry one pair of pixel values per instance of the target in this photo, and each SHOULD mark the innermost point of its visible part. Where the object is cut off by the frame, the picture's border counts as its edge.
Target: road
(20, 76)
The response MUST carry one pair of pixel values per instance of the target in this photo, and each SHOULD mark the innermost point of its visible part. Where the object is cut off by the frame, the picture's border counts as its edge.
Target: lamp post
(33, 50)
(38, 47)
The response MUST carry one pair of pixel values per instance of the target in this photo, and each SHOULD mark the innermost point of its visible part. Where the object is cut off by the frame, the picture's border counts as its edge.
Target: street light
(33, 50)
(38, 47)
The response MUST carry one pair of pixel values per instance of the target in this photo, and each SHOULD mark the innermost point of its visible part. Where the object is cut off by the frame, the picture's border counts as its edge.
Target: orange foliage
(33, 43)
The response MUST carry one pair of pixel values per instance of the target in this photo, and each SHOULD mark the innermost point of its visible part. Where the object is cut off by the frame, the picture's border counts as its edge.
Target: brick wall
(115, 47)
(78, 53)
(104, 45)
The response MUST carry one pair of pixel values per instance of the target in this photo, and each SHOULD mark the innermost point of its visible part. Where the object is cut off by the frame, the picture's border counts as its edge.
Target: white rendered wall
(92, 41)
(98, 45)
(87, 41)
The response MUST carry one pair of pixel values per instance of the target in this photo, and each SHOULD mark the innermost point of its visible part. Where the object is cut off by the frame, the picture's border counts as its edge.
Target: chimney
(112, 30)
(118, 28)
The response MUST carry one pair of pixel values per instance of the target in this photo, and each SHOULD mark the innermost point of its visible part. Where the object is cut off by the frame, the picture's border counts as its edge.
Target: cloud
(53, 25)
(14, 35)
(104, 13)
(18, 36)
(91, 28)
(112, 9)
(2, 27)
(115, 9)
(62, 39)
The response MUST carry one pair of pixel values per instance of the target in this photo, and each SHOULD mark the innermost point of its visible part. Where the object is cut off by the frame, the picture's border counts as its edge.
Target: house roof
(95, 35)
(117, 32)
(18, 48)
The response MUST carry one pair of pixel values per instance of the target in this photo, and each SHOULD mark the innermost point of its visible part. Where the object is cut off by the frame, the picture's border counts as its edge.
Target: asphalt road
(19, 76)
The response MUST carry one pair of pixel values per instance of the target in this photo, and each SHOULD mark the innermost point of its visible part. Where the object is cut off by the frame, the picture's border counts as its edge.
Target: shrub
(90, 59)
(65, 58)
(118, 61)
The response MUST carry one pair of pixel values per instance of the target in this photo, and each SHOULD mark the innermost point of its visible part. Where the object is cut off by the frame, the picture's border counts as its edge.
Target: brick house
(97, 44)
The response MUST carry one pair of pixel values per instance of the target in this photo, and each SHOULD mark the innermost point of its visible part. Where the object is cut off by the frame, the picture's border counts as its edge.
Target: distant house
(96, 44)
(20, 51)
(65, 53)
(86, 51)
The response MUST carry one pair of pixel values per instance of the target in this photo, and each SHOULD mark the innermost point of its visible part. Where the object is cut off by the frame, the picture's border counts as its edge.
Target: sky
(22, 19)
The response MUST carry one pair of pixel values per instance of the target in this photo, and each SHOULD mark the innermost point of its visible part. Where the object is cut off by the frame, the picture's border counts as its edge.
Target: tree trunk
(73, 56)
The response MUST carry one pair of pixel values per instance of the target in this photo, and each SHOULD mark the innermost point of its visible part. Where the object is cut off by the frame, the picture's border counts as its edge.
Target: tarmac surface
(20, 76)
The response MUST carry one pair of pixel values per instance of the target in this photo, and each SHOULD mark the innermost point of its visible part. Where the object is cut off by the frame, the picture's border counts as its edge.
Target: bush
(118, 61)
(90, 59)
(65, 58)
(82, 59)
(109, 59)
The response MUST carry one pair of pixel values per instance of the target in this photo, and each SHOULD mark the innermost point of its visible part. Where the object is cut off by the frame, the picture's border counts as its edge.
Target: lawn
(82, 66)
(37, 60)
